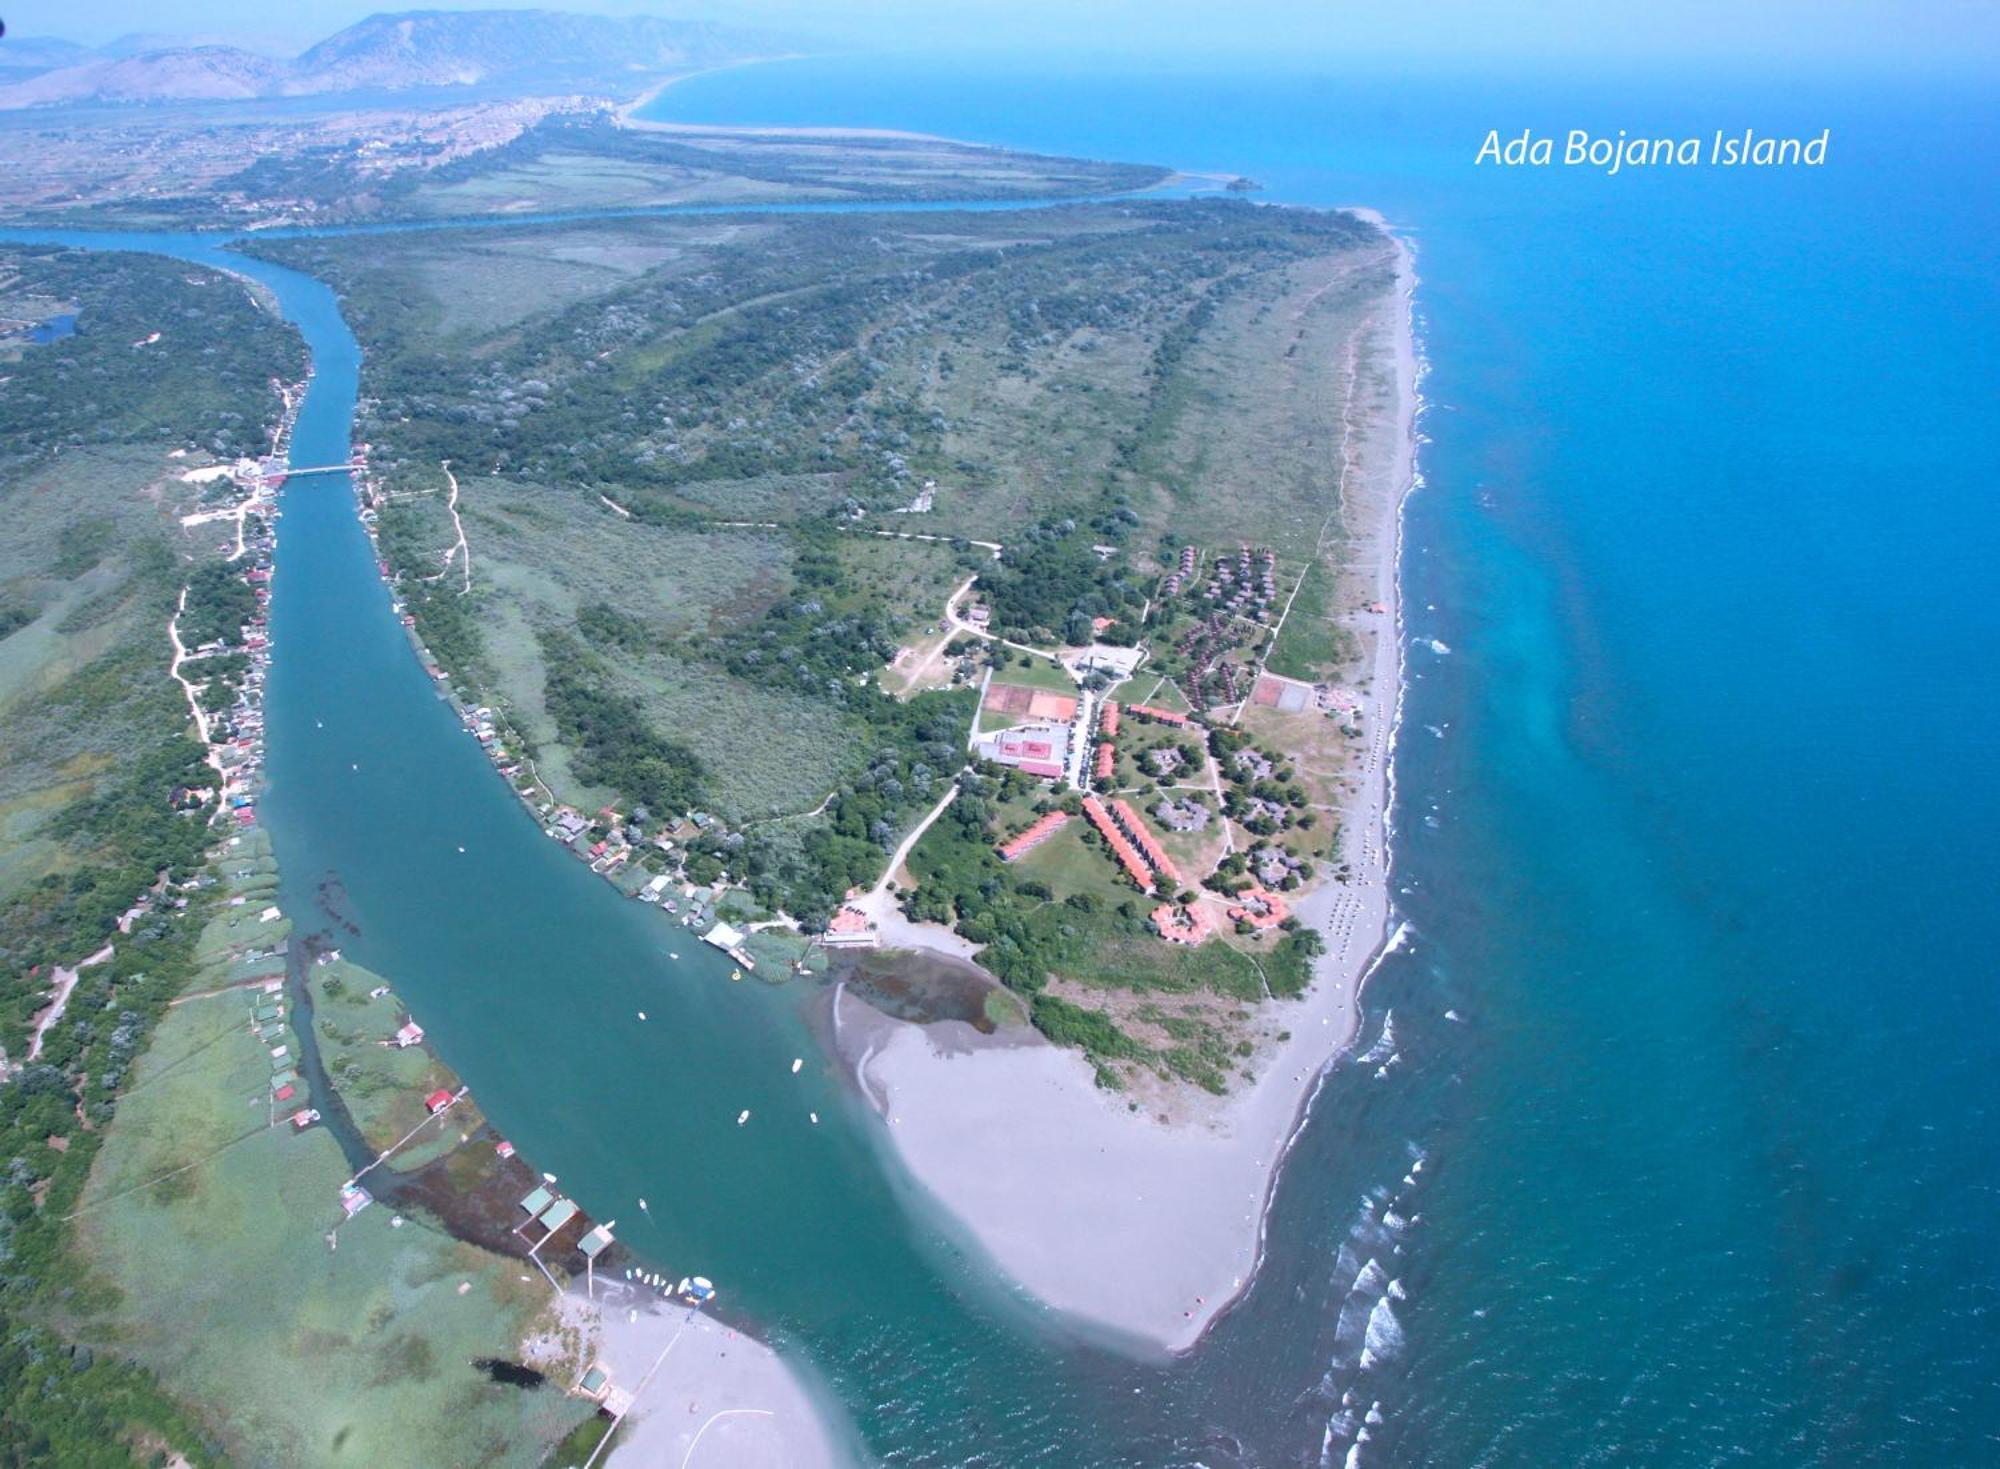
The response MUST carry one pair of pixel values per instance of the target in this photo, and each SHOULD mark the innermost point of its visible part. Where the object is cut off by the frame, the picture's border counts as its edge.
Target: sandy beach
(693, 1391)
(1096, 1205)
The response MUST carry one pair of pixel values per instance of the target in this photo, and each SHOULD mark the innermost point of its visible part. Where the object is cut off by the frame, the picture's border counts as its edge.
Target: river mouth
(923, 988)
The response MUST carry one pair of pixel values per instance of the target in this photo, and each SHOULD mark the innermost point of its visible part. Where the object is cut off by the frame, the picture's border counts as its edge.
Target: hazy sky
(1874, 33)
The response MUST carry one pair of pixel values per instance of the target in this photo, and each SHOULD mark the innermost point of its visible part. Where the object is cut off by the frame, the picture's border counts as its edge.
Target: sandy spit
(700, 1392)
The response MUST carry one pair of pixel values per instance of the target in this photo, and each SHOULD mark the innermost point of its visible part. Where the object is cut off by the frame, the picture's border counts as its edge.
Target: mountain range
(517, 50)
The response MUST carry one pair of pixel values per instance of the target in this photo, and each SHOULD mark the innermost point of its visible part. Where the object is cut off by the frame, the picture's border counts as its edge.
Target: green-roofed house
(534, 1203)
(557, 1215)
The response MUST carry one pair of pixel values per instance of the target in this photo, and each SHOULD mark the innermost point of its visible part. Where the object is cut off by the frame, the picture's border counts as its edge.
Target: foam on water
(1384, 1044)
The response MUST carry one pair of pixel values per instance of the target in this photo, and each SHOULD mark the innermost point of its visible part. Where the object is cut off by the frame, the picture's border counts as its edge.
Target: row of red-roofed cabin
(1127, 855)
(1107, 724)
(1043, 828)
(1155, 715)
(1148, 843)
(1107, 753)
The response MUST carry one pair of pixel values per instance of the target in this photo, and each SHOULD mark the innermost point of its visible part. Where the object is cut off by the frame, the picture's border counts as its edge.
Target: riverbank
(1146, 1216)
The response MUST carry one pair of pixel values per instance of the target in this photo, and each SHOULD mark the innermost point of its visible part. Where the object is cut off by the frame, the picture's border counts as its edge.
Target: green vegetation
(1049, 584)
(1090, 1031)
(615, 746)
(1288, 967)
(93, 752)
(1062, 915)
(61, 1402)
(204, 382)
(219, 602)
(92, 743)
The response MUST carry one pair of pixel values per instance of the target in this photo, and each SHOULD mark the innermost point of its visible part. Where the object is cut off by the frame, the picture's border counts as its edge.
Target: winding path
(461, 552)
(208, 754)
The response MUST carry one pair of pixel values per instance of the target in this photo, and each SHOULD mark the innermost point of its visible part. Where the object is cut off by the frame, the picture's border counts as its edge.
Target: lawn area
(1033, 673)
(1067, 864)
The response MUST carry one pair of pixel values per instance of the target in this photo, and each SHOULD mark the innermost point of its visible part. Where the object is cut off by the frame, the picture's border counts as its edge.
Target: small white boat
(642, 1014)
(797, 1062)
(743, 1117)
(815, 1118)
(672, 955)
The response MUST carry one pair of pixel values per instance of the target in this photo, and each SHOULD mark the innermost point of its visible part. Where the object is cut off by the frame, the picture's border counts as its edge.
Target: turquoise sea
(1698, 809)
(1674, 1141)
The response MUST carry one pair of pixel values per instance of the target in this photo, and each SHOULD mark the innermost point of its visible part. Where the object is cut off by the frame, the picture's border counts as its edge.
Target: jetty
(730, 941)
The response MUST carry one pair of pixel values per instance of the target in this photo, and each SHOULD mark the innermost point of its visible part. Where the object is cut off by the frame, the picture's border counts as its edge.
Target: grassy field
(1030, 672)
(1311, 643)
(558, 552)
(206, 1206)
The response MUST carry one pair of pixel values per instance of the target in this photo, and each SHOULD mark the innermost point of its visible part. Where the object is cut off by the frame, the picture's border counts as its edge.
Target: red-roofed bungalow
(1148, 843)
(1043, 828)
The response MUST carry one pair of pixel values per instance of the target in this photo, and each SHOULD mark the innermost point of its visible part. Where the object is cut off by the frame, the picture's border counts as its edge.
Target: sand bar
(702, 1393)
